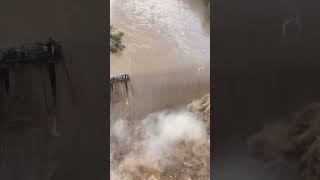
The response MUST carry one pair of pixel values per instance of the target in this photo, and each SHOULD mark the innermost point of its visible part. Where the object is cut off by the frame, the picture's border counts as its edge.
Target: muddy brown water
(167, 54)
(260, 77)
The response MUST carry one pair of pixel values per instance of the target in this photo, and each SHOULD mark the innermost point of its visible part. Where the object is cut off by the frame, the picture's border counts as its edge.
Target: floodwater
(167, 54)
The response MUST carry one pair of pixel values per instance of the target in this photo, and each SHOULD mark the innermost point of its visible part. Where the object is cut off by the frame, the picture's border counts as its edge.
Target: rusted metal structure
(123, 78)
(46, 52)
(38, 52)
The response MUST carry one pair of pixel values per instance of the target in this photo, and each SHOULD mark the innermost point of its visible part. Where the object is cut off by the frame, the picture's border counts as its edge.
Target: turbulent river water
(167, 54)
(167, 58)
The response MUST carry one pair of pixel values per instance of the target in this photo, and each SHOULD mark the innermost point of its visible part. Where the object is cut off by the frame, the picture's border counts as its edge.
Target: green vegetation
(208, 2)
(115, 40)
